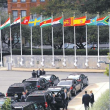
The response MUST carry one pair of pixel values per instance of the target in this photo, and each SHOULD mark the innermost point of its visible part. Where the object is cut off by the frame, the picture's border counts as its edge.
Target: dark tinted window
(16, 89)
(38, 99)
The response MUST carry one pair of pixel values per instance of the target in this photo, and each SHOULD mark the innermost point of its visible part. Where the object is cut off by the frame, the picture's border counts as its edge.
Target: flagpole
(10, 42)
(98, 64)
(109, 32)
(75, 62)
(86, 64)
(31, 63)
(1, 42)
(21, 41)
(42, 62)
(64, 60)
(53, 61)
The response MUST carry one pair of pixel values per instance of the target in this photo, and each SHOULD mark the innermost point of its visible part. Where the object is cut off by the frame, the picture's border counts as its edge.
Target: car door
(76, 85)
(84, 79)
(46, 83)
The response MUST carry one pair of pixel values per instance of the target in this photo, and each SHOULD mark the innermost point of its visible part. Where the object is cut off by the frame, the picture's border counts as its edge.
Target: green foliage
(7, 104)
(103, 102)
(59, 52)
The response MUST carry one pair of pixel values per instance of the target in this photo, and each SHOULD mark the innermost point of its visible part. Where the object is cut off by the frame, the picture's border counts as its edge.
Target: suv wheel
(87, 83)
(70, 96)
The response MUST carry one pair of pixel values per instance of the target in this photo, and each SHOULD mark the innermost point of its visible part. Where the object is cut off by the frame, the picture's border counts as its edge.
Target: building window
(23, 0)
(42, 0)
(14, 0)
(15, 14)
(33, 0)
(34, 16)
(23, 13)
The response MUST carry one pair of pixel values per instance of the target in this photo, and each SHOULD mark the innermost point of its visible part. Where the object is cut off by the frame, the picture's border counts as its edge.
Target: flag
(103, 21)
(6, 24)
(57, 21)
(34, 22)
(16, 22)
(91, 21)
(68, 22)
(26, 20)
(46, 22)
(79, 21)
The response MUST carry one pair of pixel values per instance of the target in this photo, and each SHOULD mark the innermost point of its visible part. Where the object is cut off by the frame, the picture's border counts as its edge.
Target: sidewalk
(57, 70)
(98, 89)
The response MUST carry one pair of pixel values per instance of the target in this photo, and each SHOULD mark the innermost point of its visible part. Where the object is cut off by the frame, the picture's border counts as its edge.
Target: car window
(54, 76)
(28, 88)
(37, 99)
(41, 82)
(45, 81)
(15, 89)
(32, 82)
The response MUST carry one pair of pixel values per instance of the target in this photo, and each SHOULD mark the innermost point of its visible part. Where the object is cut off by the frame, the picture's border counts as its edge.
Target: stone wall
(92, 61)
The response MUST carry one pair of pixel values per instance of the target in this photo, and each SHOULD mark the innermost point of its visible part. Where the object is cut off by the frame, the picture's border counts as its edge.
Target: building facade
(15, 7)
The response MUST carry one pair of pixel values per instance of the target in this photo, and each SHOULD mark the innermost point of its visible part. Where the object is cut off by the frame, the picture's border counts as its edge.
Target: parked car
(51, 78)
(59, 90)
(16, 89)
(42, 97)
(2, 95)
(71, 84)
(81, 78)
(39, 83)
(26, 106)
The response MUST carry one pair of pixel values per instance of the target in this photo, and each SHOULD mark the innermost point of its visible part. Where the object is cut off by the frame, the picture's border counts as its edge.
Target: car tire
(87, 83)
(81, 87)
(70, 96)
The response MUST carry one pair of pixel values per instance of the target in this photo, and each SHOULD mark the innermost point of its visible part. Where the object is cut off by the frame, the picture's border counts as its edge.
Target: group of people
(38, 73)
(24, 96)
(64, 100)
(86, 99)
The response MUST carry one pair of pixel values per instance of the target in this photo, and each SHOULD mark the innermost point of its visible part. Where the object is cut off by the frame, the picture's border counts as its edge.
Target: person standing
(23, 97)
(91, 98)
(39, 72)
(86, 100)
(33, 74)
(26, 92)
(43, 72)
(65, 99)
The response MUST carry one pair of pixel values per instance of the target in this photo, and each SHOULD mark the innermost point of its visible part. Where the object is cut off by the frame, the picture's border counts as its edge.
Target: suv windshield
(65, 83)
(38, 99)
(15, 89)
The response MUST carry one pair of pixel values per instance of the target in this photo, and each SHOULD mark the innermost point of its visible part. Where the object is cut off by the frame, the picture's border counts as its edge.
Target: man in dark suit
(91, 98)
(43, 72)
(65, 99)
(23, 97)
(33, 74)
(39, 72)
(86, 100)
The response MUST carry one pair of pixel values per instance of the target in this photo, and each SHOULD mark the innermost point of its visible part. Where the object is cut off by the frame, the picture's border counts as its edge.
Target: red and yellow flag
(68, 22)
(79, 21)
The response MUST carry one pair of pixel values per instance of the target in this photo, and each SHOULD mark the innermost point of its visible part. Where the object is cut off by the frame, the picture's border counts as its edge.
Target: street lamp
(109, 78)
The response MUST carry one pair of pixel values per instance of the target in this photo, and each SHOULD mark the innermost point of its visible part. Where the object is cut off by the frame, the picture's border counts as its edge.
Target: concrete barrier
(36, 62)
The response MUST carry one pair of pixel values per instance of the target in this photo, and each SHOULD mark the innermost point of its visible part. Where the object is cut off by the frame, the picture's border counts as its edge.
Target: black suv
(26, 106)
(39, 83)
(51, 78)
(2, 95)
(71, 84)
(42, 97)
(16, 89)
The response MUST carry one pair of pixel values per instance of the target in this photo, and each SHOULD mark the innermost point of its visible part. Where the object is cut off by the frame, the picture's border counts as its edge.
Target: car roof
(39, 93)
(20, 84)
(66, 79)
(21, 104)
(33, 79)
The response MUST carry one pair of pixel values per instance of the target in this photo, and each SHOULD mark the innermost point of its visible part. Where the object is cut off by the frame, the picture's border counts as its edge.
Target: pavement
(76, 102)
(57, 70)
(98, 89)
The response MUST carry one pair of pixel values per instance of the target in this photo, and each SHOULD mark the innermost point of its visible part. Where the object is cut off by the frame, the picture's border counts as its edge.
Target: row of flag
(81, 21)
